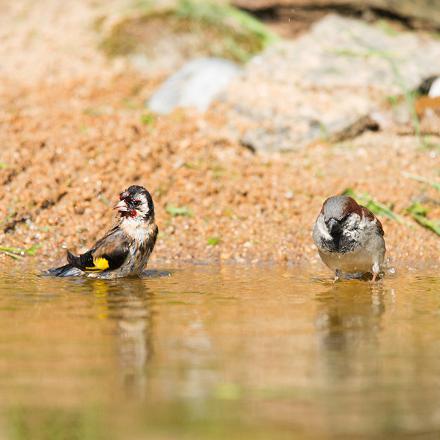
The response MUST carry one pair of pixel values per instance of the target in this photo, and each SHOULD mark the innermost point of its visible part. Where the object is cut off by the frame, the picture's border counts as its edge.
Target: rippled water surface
(219, 352)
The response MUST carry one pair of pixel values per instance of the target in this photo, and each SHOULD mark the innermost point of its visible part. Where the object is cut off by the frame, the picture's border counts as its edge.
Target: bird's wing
(109, 253)
(154, 234)
(368, 214)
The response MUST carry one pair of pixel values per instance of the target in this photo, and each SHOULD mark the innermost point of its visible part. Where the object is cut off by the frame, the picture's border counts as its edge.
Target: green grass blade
(422, 179)
(18, 252)
(418, 212)
(176, 211)
(374, 206)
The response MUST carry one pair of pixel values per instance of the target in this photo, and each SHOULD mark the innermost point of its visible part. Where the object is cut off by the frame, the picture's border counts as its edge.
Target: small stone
(196, 85)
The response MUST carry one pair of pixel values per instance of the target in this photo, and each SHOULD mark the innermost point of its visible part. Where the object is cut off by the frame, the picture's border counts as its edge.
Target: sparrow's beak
(121, 206)
(333, 226)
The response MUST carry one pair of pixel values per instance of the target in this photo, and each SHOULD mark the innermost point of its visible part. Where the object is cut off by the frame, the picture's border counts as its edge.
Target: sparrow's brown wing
(109, 253)
(368, 214)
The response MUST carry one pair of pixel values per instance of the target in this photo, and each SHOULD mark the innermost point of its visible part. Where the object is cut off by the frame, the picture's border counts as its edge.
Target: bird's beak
(121, 206)
(333, 226)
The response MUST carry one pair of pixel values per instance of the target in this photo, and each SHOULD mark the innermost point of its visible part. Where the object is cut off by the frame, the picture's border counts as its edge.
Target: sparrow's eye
(136, 202)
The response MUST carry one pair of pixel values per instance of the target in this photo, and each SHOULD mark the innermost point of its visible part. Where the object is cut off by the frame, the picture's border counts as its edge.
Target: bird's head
(136, 202)
(340, 213)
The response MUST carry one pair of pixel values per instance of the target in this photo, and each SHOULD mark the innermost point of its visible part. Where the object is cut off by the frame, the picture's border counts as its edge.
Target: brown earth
(74, 134)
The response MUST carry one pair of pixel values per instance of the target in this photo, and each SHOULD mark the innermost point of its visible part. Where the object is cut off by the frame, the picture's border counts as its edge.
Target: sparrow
(125, 249)
(349, 238)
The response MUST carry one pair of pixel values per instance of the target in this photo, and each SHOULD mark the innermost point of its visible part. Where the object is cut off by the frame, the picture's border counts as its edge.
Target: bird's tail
(64, 271)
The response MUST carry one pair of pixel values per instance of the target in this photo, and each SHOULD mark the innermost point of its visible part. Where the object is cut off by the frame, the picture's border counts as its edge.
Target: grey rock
(324, 82)
(196, 85)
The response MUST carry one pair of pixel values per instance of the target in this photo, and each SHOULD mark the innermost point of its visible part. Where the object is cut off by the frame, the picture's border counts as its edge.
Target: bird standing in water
(125, 249)
(349, 238)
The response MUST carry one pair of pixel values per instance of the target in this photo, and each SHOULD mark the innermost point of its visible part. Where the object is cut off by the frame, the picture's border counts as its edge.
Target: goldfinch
(125, 249)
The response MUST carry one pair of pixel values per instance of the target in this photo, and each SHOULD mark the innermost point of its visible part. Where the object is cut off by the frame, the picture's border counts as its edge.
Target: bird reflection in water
(128, 303)
(348, 325)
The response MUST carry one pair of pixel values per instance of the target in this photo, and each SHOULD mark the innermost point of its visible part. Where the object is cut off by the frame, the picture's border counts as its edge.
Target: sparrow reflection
(348, 323)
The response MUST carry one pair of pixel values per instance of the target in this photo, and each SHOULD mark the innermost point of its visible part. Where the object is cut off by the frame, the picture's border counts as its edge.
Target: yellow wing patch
(99, 265)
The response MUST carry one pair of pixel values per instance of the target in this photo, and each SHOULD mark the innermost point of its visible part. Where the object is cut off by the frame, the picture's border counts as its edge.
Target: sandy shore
(72, 140)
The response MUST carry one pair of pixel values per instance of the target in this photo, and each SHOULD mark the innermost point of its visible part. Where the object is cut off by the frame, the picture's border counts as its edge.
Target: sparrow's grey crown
(337, 207)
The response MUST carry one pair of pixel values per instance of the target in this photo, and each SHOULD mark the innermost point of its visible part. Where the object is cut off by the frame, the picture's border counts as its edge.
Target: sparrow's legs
(375, 271)
(337, 275)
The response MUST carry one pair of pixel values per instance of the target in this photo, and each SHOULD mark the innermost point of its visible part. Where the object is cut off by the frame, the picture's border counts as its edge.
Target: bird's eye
(136, 202)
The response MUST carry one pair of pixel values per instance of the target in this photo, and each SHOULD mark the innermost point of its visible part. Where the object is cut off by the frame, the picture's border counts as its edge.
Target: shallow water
(219, 352)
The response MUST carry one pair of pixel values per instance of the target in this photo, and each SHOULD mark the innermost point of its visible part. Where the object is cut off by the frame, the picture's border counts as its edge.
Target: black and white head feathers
(136, 202)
